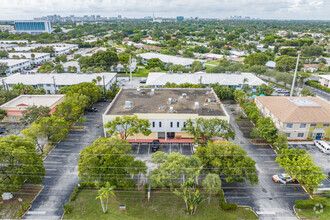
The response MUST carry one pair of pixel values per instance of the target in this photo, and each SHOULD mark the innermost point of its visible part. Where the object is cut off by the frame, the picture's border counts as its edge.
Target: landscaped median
(163, 204)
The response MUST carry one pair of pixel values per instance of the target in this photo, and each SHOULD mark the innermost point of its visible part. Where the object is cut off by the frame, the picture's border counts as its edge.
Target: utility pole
(103, 86)
(54, 84)
(295, 75)
(130, 69)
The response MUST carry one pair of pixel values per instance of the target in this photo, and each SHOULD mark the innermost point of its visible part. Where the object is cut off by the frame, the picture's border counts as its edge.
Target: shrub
(315, 84)
(67, 208)
(74, 194)
(228, 206)
(81, 120)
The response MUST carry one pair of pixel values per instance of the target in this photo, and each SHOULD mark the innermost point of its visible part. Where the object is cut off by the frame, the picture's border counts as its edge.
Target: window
(153, 124)
(178, 124)
(302, 125)
(160, 124)
(300, 135)
(171, 124)
(288, 134)
(325, 125)
(289, 125)
(313, 125)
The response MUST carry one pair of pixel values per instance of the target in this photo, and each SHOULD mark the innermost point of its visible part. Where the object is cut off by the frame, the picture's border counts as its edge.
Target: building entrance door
(318, 136)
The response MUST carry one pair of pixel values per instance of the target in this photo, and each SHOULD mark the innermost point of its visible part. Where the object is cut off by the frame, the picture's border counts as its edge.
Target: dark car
(3, 130)
(90, 109)
(155, 145)
(143, 81)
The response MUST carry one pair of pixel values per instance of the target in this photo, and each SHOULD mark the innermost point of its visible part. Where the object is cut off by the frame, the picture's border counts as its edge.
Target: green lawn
(163, 205)
(142, 72)
(213, 62)
(311, 214)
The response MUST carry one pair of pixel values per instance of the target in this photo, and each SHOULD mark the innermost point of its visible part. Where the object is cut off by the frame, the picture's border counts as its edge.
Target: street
(61, 167)
(270, 200)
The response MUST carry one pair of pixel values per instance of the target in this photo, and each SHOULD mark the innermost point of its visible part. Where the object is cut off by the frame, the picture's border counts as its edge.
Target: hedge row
(315, 84)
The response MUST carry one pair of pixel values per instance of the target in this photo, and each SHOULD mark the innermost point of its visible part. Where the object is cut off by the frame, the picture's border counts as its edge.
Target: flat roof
(232, 79)
(297, 109)
(145, 102)
(30, 100)
(11, 62)
(28, 55)
(61, 79)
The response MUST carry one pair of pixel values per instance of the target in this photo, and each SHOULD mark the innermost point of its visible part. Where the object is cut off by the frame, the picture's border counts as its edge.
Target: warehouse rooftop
(203, 102)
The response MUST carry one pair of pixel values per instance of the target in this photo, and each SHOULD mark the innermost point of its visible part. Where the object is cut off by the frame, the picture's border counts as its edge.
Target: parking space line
(170, 147)
(138, 149)
(148, 149)
(180, 145)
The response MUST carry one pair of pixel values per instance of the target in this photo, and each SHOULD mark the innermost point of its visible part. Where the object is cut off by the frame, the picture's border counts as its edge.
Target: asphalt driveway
(269, 199)
(61, 168)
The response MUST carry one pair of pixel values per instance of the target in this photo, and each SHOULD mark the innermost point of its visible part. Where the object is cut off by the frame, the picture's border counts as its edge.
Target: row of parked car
(322, 146)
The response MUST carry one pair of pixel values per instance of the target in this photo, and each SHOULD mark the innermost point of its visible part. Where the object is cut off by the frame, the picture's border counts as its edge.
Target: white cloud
(286, 9)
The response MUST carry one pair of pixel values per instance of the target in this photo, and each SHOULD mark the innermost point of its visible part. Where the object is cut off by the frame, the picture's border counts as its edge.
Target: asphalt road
(269, 199)
(61, 168)
(320, 93)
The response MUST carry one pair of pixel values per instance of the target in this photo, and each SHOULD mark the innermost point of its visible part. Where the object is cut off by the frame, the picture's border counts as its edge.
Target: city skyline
(272, 9)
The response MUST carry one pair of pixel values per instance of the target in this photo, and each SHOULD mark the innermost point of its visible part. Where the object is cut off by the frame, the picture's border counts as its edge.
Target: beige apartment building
(300, 118)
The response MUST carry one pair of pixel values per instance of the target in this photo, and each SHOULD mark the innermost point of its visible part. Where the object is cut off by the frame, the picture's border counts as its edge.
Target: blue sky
(267, 9)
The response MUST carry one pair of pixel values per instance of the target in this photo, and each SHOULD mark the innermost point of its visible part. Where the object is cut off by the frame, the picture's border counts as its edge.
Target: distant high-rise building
(180, 18)
(33, 27)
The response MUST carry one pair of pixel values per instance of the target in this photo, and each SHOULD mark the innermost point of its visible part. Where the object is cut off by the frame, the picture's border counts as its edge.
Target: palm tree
(104, 194)
(98, 78)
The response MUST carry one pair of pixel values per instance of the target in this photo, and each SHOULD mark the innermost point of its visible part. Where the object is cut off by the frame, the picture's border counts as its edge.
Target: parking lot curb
(295, 212)
(250, 208)
(31, 203)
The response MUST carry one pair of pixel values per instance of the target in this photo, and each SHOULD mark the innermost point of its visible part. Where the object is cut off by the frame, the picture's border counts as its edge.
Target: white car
(322, 146)
(195, 147)
(283, 178)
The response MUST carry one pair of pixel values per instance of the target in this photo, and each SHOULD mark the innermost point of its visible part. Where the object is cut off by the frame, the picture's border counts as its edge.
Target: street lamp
(295, 75)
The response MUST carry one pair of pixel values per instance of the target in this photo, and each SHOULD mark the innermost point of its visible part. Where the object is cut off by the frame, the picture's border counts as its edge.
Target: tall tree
(266, 129)
(212, 184)
(300, 165)
(109, 160)
(46, 129)
(256, 59)
(3, 113)
(92, 91)
(34, 112)
(228, 159)
(206, 129)
(128, 126)
(19, 163)
(171, 168)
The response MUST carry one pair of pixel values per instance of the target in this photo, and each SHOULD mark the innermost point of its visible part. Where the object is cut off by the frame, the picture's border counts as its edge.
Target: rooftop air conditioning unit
(169, 100)
(171, 109)
(196, 105)
(152, 91)
(128, 104)
(138, 90)
(184, 96)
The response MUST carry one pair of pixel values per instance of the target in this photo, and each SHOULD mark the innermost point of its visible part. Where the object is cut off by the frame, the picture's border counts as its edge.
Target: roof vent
(171, 109)
(152, 91)
(138, 90)
(169, 100)
(184, 96)
(128, 104)
(162, 107)
(196, 105)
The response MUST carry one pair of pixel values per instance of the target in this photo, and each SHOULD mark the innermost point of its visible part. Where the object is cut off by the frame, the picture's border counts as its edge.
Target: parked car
(3, 130)
(143, 81)
(195, 147)
(155, 145)
(322, 146)
(283, 178)
(90, 109)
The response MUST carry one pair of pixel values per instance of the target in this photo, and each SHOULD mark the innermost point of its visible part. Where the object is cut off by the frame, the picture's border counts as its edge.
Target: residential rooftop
(61, 79)
(30, 100)
(230, 79)
(145, 102)
(28, 55)
(11, 62)
(297, 109)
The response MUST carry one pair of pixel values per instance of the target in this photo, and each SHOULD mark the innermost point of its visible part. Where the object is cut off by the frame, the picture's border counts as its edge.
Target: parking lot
(145, 149)
(321, 159)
